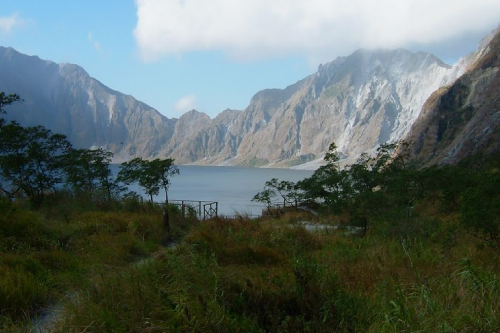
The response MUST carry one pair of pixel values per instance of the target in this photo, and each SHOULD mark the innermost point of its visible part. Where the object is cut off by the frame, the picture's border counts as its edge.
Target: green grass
(113, 273)
(48, 254)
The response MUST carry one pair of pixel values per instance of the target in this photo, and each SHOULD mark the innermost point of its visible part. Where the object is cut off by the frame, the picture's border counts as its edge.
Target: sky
(178, 55)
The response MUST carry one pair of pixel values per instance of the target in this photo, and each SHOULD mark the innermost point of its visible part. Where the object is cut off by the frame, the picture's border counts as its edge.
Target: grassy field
(110, 267)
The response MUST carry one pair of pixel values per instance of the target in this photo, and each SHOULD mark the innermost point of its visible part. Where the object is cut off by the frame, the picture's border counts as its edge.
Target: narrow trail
(45, 320)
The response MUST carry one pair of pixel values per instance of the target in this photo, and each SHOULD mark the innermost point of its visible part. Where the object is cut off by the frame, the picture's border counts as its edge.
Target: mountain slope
(357, 101)
(463, 119)
(65, 99)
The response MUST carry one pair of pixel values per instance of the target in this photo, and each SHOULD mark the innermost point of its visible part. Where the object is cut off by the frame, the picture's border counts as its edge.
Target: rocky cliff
(358, 101)
(463, 119)
(65, 99)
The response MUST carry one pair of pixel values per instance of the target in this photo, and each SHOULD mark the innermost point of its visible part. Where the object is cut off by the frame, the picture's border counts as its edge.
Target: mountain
(358, 101)
(463, 119)
(199, 139)
(65, 99)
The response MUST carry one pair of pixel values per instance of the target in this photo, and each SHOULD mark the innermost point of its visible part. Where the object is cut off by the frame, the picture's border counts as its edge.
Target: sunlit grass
(113, 271)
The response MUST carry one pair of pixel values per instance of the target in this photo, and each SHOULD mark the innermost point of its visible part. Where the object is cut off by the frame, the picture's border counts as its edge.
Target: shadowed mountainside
(65, 99)
(462, 119)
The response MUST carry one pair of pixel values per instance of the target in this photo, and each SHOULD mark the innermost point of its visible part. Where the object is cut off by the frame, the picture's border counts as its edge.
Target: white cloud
(95, 44)
(252, 29)
(7, 24)
(185, 104)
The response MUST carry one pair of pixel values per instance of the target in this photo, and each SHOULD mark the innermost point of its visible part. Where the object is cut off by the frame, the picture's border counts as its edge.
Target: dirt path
(46, 319)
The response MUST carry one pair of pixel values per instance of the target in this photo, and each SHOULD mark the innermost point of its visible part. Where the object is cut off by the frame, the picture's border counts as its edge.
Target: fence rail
(203, 209)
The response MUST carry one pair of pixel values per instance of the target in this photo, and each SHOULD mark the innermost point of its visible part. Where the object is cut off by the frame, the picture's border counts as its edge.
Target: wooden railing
(203, 209)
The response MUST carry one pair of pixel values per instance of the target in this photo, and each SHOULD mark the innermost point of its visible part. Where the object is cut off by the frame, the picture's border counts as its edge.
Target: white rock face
(358, 102)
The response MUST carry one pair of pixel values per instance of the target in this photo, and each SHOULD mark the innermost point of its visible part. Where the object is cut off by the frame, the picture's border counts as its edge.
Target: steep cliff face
(199, 139)
(464, 118)
(65, 99)
(359, 101)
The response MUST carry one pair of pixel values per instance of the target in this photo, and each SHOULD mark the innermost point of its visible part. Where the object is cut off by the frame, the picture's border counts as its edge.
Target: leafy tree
(384, 183)
(362, 177)
(326, 185)
(151, 176)
(88, 170)
(332, 156)
(31, 160)
(265, 197)
(362, 189)
(450, 183)
(402, 187)
(4, 101)
(161, 171)
(287, 190)
(481, 207)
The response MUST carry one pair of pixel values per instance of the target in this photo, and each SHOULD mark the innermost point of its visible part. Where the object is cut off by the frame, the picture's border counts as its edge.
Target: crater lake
(232, 187)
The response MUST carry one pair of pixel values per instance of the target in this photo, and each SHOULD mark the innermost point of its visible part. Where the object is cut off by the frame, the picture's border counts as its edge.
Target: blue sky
(176, 55)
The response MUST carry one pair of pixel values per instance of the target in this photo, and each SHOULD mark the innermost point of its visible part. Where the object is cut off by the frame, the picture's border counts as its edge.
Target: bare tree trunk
(166, 217)
(166, 223)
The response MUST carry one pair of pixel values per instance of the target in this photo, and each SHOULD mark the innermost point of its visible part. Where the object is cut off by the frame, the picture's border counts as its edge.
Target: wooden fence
(203, 209)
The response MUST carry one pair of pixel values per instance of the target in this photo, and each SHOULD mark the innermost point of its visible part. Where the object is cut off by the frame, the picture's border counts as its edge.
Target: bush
(481, 209)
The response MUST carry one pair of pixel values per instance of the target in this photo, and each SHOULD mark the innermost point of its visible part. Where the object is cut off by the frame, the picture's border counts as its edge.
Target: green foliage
(4, 101)
(385, 190)
(288, 191)
(326, 185)
(265, 197)
(20, 290)
(45, 257)
(332, 156)
(112, 269)
(237, 275)
(31, 160)
(151, 176)
(481, 208)
(34, 162)
(88, 170)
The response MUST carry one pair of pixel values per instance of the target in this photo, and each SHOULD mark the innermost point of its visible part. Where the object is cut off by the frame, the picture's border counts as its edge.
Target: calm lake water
(232, 187)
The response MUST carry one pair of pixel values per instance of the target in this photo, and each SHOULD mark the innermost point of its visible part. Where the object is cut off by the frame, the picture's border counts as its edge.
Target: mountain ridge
(65, 99)
(358, 101)
(462, 119)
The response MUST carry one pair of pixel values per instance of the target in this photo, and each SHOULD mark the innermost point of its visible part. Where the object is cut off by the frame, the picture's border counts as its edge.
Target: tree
(6, 100)
(362, 190)
(265, 197)
(151, 176)
(31, 160)
(326, 186)
(288, 191)
(88, 170)
(481, 207)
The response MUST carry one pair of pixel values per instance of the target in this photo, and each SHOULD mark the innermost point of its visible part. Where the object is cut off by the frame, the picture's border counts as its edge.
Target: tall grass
(243, 275)
(49, 253)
